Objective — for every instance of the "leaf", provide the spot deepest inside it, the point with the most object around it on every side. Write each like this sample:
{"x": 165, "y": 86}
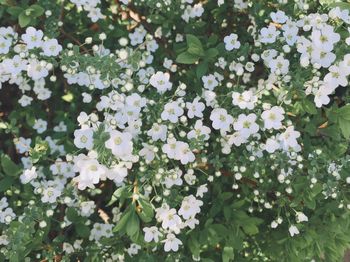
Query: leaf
{"x": 68, "y": 97}
{"x": 250, "y": 229}
{"x": 82, "y": 230}
{"x": 186, "y": 58}
{"x": 341, "y": 5}
{"x": 146, "y": 213}
{"x": 36, "y": 10}
{"x": 194, "y": 45}
{"x": 123, "y": 220}
{"x": 201, "y": 69}
{"x": 6, "y": 183}
{"x": 227, "y": 254}
{"x": 72, "y": 214}
{"x": 15, "y": 10}
{"x": 24, "y": 19}
{"x": 121, "y": 192}
{"x": 211, "y": 53}
{"x": 9, "y": 167}
{"x": 133, "y": 225}
{"x": 309, "y": 107}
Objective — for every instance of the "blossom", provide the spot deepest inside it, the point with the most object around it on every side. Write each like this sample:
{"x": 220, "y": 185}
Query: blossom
{"x": 246, "y": 125}
{"x": 172, "y": 243}
{"x": 301, "y": 217}
{"x": 161, "y": 82}
{"x": 190, "y": 206}
{"x": 279, "y": 17}
{"x": 28, "y": 175}
{"x": 244, "y": 100}
{"x": 293, "y": 230}
{"x": 210, "y": 82}
{"x": 158, "y": 132}
{"x": 151, "y": 233}
{"x": 33, "y": 38}
{"x": 120, "y": 144}
{"x": 51, "y": 47}
{"x": 83, "y": 138}
{"x": 221, "y": 119}
{"x": 172, "y": 111}
{"x": 231, "y": 42}
{"x": 273, "y": 117}
{"x": 195, "y": 108}
{"x": 269, "y": 34}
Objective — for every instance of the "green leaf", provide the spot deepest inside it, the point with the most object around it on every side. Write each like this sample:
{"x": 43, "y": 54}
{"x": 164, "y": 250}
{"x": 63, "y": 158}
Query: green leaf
{"x": 82, "y": 230}
{"x": 15, "y": 10}
{"x": 211, "y": 53}
{"x": 24, "y": 19}
{"x": 309, "y": 107}
{"x": 227, "y": 254}
{"x": 194, "y": 45}
{"x": 6, "y": 183}
{"x": 9, "y": 167}
{"x": 119, "y": 194}
{"x": 186, "y": 58}
{"x": 250, "y": 229}
{"x": 123, "y": 220}
{"x": 146, "y": 214}
{"x": 36, "y": 10}
{"x": 133, "y": 225}
{"x": 73, "y": 215}
{"x": 201, "y": 69}
{"x": 341, "y": 5}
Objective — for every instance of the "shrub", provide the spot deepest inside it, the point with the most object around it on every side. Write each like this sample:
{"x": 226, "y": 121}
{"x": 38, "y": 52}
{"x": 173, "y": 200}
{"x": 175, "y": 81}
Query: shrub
{"x": 174, "y": 130}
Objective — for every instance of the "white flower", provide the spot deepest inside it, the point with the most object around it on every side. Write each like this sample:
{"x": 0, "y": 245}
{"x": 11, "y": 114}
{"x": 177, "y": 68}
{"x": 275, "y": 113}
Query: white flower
{"x": 120, "y": 143}
{"x": 322, "y": 96}
{"x": 273, "y": 117}
{"x": 172, "y": 243}
{"x": 210, "y": 82}
{"x": 271, "y": 145}
{"x": 244, "y": 100}
{"x": 301, "y": 217}
{"x": 172, "y": 111}
{"x": 51, "y": 47}
{"x": 158, "y": 132}
{"x": 231, "y": 42}
{"x": 221, "y": 119}
{"x": 170, "y": 219}
{"x": 288, "y": 139}
{"x": 337, "y": 76}
{"x": 40, "y": 126}
{"x": 246, "y": 125}
{"x": 33, "y": 37}
{"x": 37, "y": 69}
{"x": 190, "y": 206}
{"x": 147, "y": 152}
{"x": 90, "y": 171}
{"x": 83, "y": 138}
{"x": 161, "y": 82}
{"x": 195, "y": 108}
{"x": 117, "y": 173}
{"x": 151, "y": 233}
{"x": 269, "y": 34}
{"x": 279, "y": 66}
{"x": 279, "y": 17}
{"x": 199, "y": 131}
{"x": 293, "y": 230}
{"x": 50, "y": 194}
{"x": 28, "y": 175}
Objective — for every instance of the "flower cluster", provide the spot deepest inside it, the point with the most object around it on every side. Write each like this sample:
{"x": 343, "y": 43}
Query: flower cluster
{"x": 197, "y": 129}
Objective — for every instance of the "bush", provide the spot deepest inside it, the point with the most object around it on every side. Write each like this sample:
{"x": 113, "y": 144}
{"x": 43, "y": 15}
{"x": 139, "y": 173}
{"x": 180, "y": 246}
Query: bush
{"x": 177, "y": 130}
